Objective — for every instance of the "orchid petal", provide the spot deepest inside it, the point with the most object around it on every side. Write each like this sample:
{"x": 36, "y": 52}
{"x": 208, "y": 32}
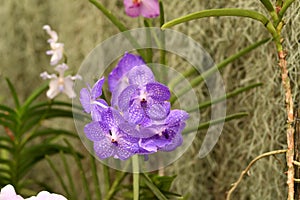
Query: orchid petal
{"x": 158, "y": 91}
{"x": 149, "y": 8}
{"x": 104, "y": 148}
{"x": 96, "y": 131}
{"x": 97, "y": 89}
{"x": 140, "y": 75}
{"x": 125, "y": 98}
{"x": 85, "y": 99}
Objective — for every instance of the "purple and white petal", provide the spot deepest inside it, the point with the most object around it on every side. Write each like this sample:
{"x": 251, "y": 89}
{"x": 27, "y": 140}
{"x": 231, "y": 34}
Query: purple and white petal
{"x": 85, "y": 99}
{"x": 97, "y": 89}
{"x": 140, "y": 75}
{"x": 135, "y": 114}
{"x": 176, "y": 116}
{"x": 175, "y": 142}
{"x": 129, "y": 129}
{"x": 112, "y": 117}
{"x": 126, "y": 97}
{"x": 96, "y": 131}
{"x": 157, "y": 111}
{"x": 127, "y": 62}
{"x": 104, "y": 149}
{"x": 158, "y": 91}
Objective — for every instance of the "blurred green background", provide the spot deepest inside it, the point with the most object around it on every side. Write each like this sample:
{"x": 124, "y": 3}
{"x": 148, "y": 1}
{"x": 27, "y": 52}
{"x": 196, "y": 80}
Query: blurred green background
{"x": 81, "y": 27}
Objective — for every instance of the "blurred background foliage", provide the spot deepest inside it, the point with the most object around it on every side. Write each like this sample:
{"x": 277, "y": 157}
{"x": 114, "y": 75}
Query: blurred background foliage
{"x": 81, "y": 27}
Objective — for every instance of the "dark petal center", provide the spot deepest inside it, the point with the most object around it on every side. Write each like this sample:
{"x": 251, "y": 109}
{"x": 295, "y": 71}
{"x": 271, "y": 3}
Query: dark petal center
{"x": 143, "y": 103}
{"x": 166, "y": 134}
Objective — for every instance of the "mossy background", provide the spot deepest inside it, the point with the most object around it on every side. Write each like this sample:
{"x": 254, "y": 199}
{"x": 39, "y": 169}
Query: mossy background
{"x": 81, "y": 27}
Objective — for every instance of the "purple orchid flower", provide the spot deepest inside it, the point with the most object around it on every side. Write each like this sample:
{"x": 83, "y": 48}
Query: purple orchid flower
{"x": 166, "y": 135}
{"x": 90, "y": 101}
{"x": 146, "y": 8}
{"x": 117, "y": 79}
{"x": 144, "y": 99}
{"x": 110, "y": 139}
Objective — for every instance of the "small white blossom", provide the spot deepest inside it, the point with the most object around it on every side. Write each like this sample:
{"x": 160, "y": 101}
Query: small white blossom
{"x": 8, "y": 192}
{"x": 57, "y": 49}
{"x": 44, "y": 195}
{"x": 60, "y": 84}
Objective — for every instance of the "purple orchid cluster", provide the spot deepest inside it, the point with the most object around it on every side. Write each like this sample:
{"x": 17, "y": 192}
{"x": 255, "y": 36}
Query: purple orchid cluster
{"x": 139, "y": 120}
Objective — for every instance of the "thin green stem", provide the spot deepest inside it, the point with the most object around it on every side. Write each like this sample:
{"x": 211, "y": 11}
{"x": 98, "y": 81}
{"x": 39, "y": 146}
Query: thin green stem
{"x": 285, "y": 6}
{"x": 106, "y": 178}
{"x": 268, "y": 5}
{"x": 118, "y": 24}
{"x": 95, "y": 177}
{"x": 217, "y": 13}
{"x": 69, "y": 176}
{"x": 136, "y": 177}
{"x": 113, "y": 189}
{"x": 214, "y": 122}
{"x": 219, "y": 66}
{"x": 153, "y": 187}
{"x": 206, "y": 104}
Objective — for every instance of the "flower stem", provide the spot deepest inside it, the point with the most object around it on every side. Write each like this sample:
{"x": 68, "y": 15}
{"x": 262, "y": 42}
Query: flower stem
{"x": 136, "y": 177}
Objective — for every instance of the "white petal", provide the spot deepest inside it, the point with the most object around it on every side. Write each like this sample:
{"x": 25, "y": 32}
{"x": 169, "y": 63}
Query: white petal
{"x": 45, "y": 76}
{"x": 68, "y": 87}
{"x": 53, "y": 89}
{"x": 44, "y": 195}
{"x": 9, "y": 193}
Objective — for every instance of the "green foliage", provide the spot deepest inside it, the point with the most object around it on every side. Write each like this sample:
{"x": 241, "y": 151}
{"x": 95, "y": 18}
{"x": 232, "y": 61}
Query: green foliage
{"x": 26, "y": 141}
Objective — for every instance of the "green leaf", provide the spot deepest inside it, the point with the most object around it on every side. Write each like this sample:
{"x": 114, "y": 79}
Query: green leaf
{"x": 58, "y": 176}
{"x": 216, "y": 121}
{"x": 217, "y": 13}
{"x": 33, "y": 154}
{"x": 13, "y": 92}
{"x": 228, "y": 95}
{"x": 50, "y": 132}
{"x": 196, "y": 81}
{"x": 81, "y": 170}
{"x": 162, "y": 182}
{"x": 156, "y": 191}
{"x": 35, "y": 94}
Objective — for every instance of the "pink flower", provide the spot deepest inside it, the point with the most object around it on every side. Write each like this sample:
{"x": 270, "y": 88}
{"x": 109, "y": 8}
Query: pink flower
{"x": 146, "y": 8}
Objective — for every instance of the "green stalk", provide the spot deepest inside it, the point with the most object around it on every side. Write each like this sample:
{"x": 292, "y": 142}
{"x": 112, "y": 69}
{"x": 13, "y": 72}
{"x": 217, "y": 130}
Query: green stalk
{"x": 69, "y": 176}
{"x": 268, "y": 5}
{"x": 95, "y": 177}
{"x": 214, "y": 122}
{"x": 153, "y": 187}
{"x": 114, "y": 187}
{"x": 119, "y": 25}
{"x": 162, "y": 36}
{"x": 106, "y": 179}
{"x": 219, "y": 66}
{"x": 206, "y": 104}
{"x": 217, "y": 13}
{"x": 136, "y": 177}
{"x": 285, "y": 6}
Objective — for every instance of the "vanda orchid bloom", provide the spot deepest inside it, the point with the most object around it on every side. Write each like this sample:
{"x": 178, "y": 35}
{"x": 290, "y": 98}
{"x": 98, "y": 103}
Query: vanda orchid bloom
{"x": 60, "y": 84}
{"x": 9, "y": 193}
{"x": 146, "y": 8}
{"x": 57, "y": 49}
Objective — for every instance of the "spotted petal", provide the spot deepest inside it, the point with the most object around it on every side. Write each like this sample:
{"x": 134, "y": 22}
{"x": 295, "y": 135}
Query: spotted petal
{"x": 125, "y": 98}
{"x": 96, "y": 131}
{"x": 97, "y": 89}
{"x": 127, "y": 62}
{"x": 157, "y": 111}
{"x": 140, "y": 75}
{"x": 104, "y": 148}
{"x": 85, "y": 99}
{"x": 158, "y": 91}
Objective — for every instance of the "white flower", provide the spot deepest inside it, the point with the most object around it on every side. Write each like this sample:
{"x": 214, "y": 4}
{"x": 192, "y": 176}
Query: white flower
{"x": 59, "y": 83}
{"x": 9, "y": 193}
{"x": 44, "y": 195}
{"x": 57, "y": 49}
